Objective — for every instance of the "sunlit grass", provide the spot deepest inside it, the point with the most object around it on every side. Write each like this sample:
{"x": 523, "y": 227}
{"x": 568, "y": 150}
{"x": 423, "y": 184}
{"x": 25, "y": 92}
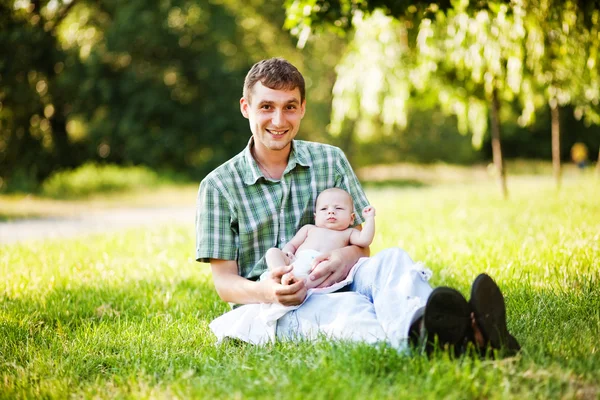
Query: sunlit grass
{"x": 126, "y": 314}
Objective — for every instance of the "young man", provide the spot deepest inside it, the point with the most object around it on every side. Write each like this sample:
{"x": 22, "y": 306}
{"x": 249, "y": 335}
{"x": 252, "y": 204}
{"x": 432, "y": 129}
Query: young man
{"x": 260, "y": 198}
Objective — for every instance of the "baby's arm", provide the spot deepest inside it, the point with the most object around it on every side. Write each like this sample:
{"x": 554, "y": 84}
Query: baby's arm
{"x": 290, "y": 247}
{"x": 365, "y": 237}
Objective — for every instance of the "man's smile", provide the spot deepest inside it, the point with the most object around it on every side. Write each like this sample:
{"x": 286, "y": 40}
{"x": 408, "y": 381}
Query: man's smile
{"x": 277, "y": 132}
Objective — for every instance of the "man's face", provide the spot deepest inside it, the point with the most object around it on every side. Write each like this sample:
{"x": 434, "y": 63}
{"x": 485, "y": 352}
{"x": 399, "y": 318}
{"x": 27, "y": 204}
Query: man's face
{"x": 274, "y": 116}
{"x": 334, "y": 210}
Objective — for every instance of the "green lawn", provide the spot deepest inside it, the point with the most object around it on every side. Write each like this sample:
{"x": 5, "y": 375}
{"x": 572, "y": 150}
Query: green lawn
{"x": 126, "y": 315}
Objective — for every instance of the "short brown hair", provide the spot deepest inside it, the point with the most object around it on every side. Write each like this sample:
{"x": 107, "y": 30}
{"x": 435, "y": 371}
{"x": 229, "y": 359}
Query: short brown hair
{"x": 274, "y": 73}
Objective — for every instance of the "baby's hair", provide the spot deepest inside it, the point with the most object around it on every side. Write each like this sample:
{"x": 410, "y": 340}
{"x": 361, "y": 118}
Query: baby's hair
{"x": 338, "y": 190}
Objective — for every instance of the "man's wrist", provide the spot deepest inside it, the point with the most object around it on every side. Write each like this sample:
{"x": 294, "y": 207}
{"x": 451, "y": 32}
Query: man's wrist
{"x": 264, "y": 293}
{"x": 350, "y": 255}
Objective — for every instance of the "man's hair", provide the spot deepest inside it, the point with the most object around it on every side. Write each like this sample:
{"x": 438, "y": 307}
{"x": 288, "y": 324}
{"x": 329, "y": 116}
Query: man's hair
{"x": 276, "y": 74}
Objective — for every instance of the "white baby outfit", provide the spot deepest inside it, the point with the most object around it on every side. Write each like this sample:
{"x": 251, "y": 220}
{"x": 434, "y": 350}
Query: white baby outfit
{"x": 387, "y": 292}
{"x": 303, "y": 262}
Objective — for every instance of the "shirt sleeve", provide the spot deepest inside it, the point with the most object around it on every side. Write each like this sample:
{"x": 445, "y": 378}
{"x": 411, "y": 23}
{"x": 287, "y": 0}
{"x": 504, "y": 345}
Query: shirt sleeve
{"x": 347, "y": 180}
{"x": 215, "y": 237}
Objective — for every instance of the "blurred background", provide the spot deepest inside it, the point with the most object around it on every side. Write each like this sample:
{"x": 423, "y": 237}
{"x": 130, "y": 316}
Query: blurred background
{"x": 155, "y": 85}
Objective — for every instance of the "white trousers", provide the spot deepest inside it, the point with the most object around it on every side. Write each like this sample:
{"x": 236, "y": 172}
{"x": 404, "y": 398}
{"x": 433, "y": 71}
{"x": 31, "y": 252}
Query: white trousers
{"x": 388, "y": 293}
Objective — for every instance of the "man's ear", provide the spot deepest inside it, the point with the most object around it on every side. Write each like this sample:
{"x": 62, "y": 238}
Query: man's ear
{"x": 244, "y": 104}
{"x": 303, "y": 108}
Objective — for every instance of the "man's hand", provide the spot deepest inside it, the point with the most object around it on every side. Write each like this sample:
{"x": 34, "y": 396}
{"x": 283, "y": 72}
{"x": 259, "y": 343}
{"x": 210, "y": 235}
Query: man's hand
{"x": 281, "y": 287}
{"x": 236, "y": 289}
{"x": 329, "y": 268}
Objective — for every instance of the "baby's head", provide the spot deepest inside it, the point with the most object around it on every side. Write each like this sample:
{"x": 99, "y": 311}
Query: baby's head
{"x": 334, "y": 209}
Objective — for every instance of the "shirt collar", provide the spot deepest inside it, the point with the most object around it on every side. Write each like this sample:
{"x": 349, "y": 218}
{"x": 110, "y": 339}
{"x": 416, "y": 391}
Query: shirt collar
{"x": 252, "y": 172}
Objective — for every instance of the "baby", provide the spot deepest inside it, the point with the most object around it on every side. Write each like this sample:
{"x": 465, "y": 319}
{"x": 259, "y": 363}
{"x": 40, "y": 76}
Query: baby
{"x": 333, "y": 217}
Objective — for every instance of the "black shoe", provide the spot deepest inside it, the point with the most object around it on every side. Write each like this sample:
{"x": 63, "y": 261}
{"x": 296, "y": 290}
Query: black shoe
{"x": 487, "y": 303}
{"x": 447, "y": 318}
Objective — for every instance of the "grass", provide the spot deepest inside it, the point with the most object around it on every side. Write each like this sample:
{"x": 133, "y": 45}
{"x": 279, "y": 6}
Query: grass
{"x": 92, "y": 178}
{"x": 93, "y": 187}
{"x": 126, "y": 315}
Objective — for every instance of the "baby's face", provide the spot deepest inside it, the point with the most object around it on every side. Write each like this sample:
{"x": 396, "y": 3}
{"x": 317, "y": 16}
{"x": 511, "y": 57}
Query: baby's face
{"x": 334, "y": 210}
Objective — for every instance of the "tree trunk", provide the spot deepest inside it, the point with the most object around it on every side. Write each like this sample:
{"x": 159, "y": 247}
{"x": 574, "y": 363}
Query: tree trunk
{"x": 496, "y": 144}
{"x": 555, "y": 142}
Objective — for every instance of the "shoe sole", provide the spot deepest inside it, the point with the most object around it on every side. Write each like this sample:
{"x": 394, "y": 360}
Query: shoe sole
{"x": 447, "y": 317}
{"x": 487, "y": 302}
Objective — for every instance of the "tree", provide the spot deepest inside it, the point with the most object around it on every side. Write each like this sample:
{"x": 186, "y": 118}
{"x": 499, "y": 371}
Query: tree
{"x": 32, "y": 105}
{"x": 482, "y": 52}
{"x": 134, "y": 83}
{"x": 474, "y": 55}
{"x": 562, "y": 56}
{"x": 479, "y": 61}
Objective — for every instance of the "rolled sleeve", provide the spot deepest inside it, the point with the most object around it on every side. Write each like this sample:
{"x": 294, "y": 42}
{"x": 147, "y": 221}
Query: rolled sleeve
{"x": 215, "y": 237}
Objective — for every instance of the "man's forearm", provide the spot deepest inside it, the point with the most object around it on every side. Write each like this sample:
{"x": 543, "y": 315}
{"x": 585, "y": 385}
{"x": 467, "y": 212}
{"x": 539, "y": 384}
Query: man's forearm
{"x": 241, "y": 291}
{"x": 236, "y": 289}
{"x": 351, "y": 254}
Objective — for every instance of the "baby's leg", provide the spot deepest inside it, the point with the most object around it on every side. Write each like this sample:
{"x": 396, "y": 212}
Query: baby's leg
{"x": 276, "y": 258}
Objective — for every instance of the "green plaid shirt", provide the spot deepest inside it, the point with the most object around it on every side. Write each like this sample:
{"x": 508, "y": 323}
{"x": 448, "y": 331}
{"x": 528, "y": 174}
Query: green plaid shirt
{"x": 240, "y": 213}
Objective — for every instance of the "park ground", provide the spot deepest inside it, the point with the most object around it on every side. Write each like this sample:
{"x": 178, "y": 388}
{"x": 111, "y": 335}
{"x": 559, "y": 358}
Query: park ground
{"x": 125, "y": 313}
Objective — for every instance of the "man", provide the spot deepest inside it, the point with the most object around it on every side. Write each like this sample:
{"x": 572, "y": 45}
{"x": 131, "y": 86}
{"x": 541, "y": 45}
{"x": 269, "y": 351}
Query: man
{"x": 260, "y": 198}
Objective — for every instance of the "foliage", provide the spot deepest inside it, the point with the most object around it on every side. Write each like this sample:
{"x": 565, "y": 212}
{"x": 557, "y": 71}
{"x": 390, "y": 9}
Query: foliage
{"x": 126, "y": 314}
{"x": 305, "y": 17}
{"x": 139, "y": 82}
{"x": 93, "y": 178}
{"x": 158, "y": 83}
{"x": 371, "y": 88}
{"x": 160, "y": 88}
{"x": 459, "y": 52}
{"x": 473, "y": 56}
{"x": 33, "y": 136}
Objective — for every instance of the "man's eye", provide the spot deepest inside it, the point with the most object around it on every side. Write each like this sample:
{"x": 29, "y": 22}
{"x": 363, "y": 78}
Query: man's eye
{"x": 265, "y": 107}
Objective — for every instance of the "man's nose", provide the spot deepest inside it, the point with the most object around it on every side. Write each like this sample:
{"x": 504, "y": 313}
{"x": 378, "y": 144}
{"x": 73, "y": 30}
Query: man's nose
{"x": 277, "y": 117}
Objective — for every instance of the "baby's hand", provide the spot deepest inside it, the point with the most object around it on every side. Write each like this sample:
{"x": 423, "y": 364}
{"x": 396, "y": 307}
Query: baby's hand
{"x": 368, "y": 212}
{"x": 291, "y": 257}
